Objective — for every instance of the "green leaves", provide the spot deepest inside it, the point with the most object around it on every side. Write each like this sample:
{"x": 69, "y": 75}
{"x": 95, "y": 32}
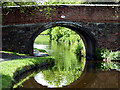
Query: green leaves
{"x": 110, "y": 65}
{"x": 104, "y": 54}
{"x": 67, "y": 36}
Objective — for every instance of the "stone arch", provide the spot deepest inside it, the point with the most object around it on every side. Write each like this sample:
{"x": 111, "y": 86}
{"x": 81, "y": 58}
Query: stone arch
{"x": 85, "y": 34}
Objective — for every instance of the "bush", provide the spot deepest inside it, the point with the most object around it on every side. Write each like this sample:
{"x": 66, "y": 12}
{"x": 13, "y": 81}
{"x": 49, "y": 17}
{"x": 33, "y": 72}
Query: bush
{"x": 104, "y": 54}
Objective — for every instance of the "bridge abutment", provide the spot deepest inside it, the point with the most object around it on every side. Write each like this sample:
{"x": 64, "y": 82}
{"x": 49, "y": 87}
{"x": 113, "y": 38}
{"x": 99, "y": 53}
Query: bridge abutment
{"x": 20, "y": 38}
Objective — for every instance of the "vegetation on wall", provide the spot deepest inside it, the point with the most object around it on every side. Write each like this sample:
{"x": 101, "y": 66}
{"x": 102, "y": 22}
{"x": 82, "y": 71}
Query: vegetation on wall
{"x": 55, "y": 2}
{"x": 46, "y": 2}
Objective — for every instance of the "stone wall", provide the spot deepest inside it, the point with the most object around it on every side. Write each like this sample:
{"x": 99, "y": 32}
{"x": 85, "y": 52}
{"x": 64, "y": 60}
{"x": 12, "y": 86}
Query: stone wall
{"x": 19, "y": 29}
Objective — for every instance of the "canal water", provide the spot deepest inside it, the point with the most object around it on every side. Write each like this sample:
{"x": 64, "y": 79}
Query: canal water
{"x": 70, "y": 71}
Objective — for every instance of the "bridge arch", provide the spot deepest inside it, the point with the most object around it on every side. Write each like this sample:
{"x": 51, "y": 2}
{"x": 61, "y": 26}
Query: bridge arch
{"x": 85, "y": 34}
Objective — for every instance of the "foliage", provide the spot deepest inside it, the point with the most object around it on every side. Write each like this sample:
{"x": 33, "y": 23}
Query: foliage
{"x": 17, "y": 3}
{"x": 67, "y": 67}
{"x": 8, "y": 68}
{"x": 56, "y": 34}
{"x": 48, "y": 9}
{"x": 104, "y": 54}
{"x": 77, "y": 47}
{"x": 64, "y": 72}
{"x": 109, "y": 65}
{"x": 99, "y": 53}
{"x": 67, "y": 36}
{"x": 111, "y": 55}
{"x": 63, "y": 34}
{"x": 55, "y": 2}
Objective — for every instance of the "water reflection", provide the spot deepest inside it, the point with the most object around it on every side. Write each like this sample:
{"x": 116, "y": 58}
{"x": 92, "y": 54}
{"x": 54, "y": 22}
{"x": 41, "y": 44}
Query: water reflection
{"x": 91, "y": 77}
{"x": 66, "y": 70}
{"x": 58, "y": 77}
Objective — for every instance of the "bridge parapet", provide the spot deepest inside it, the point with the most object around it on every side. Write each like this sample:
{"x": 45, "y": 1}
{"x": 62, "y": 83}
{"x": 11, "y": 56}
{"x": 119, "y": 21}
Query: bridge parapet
{"x": 77, "y": 13}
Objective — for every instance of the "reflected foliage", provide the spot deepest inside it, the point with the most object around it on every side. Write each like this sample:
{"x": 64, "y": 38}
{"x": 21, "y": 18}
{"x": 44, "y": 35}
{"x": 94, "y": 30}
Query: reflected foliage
{"x": 105, "y": 66}
{"x": 67, "y": 67}
{"x": 67, "y": 47}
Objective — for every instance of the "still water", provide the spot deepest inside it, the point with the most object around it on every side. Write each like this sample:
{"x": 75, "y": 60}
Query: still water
{"x": 70, "y": 71}
{"x": 66, "y": 70}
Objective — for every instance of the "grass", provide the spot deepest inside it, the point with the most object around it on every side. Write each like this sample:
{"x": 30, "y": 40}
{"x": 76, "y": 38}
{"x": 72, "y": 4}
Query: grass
{"x": 8, "y": 68}
{"x": 42, "y": 39}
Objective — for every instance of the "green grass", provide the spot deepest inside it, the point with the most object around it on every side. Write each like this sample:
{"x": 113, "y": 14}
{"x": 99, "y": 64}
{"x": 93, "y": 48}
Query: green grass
{"x": 42, "y": 39}
{"x": 8, "y": 68}
{"x": 45, "y": 32}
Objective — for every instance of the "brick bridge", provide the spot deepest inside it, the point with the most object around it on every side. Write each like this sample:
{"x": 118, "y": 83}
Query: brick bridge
{"x": 98, "y": 25}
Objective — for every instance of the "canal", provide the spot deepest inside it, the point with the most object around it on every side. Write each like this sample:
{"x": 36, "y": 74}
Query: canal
{"x": 69, "y": 70}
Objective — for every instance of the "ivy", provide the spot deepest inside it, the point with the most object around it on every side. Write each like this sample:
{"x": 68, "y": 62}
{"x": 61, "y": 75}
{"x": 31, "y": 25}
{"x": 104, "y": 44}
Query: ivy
{"x": 48, "y": 10}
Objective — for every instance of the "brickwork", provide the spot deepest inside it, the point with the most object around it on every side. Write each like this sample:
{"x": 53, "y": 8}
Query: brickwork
{"x": 98, "y": 26}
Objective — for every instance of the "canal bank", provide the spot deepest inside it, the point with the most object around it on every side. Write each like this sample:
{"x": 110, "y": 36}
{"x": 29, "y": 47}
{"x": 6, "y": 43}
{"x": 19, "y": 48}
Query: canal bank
{"x": 14, "y": 68}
